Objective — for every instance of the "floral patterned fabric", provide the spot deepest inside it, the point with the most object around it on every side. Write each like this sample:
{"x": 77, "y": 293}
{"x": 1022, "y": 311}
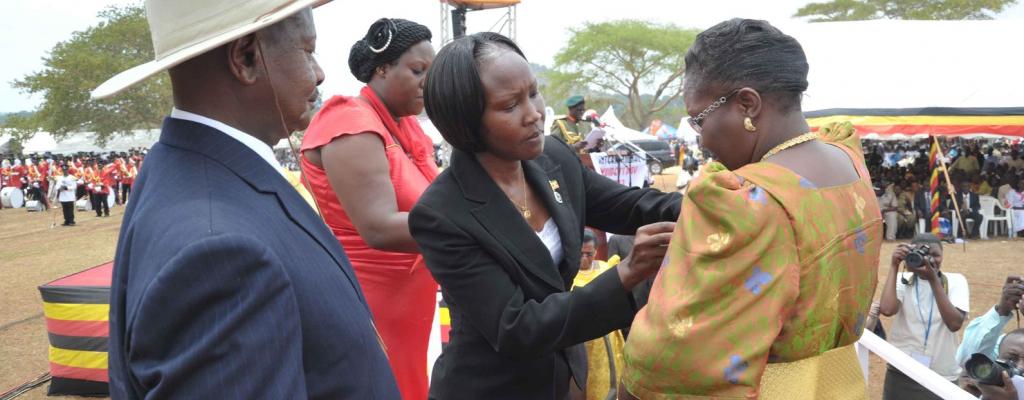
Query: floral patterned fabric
{"x": 763, "y": 267}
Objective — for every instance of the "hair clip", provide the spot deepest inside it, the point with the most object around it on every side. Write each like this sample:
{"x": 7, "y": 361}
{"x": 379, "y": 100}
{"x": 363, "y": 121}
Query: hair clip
{"x": 390, "y": 29}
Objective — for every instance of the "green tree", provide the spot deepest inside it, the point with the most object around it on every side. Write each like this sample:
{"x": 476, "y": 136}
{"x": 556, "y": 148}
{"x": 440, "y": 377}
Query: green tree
{"x": 856, "y": 10}
{"x": 76, "y": 66}
{"x": 639, "y": 62}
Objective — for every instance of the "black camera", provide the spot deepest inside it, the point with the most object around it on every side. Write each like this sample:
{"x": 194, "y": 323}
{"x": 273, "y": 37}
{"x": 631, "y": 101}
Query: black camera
{"x": 987, "y": 372}
{"x": 918, "y": 254}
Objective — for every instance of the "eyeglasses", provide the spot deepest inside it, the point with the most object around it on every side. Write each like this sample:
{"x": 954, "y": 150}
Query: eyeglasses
{"x": 698, "y": 121}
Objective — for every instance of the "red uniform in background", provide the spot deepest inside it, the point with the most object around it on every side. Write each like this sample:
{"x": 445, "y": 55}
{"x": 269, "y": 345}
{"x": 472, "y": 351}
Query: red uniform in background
{"x": 100, "y": 190}
{"x": 18, "y": 173}
{"x": 110, "y": 176}
{"x": 5, "y": 177}
{"x": 127, "y": 179}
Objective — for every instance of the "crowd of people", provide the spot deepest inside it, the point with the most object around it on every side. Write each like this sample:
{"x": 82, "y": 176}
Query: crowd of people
{"x": 754, "y": 283}
{"x": 50, "y": 180}
{"x": 901, "y": 175}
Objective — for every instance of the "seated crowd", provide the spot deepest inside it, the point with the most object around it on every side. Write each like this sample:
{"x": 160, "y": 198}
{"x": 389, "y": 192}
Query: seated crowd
{"x": 902, "y": 178}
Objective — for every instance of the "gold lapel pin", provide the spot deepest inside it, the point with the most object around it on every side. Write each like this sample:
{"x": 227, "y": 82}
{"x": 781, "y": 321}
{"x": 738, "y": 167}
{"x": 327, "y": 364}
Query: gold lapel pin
{"x": 554, "y": 189}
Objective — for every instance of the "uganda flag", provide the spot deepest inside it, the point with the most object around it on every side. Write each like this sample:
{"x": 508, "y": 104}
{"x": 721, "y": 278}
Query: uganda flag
{"x": 933, "y": 187}
{"x": 76, "y": 308}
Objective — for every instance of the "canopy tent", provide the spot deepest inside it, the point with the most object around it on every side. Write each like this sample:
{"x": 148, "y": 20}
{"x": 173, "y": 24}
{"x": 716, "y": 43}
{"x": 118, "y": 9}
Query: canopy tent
{"x": 617, "y": 130}
{"x": 915, "y": 78}
{"x": 43, "y": 142}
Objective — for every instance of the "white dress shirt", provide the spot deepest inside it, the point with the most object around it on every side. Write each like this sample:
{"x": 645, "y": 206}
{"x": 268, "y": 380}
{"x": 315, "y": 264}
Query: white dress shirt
{"x": 919, "y": 314}
{"x": 261, "y": 149}
{"x": 68, "y": 193}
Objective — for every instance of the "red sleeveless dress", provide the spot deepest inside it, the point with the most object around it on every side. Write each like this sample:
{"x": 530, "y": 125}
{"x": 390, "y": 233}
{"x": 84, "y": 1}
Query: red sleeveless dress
{"x": 399, "y": 289}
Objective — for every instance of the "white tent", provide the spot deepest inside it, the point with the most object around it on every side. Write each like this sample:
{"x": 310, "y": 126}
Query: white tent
{"x": 617, "y": 130}
{"x": 43, "y": 142}
{"x": 915, "y": 77}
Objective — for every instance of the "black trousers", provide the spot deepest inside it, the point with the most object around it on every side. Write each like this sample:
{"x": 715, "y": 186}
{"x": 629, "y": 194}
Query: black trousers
{"x": 34, "y": 193}
{"x": 978, "y": 218}
{"x": 126, "y": 188}
{"x": 69, "y": 212}
{"x": 99, "y": 203}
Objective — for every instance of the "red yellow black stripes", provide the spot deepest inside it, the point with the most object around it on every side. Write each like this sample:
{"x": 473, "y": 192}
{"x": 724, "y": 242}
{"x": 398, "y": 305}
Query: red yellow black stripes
{"x": 1005, "y": 121}
{"x": 77, "y": 310}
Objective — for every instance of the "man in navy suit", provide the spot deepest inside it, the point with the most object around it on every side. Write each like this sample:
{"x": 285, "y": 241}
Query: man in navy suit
{"x": 227, "y": 285}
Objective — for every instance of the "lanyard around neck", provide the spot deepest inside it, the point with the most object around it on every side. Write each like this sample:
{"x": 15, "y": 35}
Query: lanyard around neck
{"x": 931, "y": 310}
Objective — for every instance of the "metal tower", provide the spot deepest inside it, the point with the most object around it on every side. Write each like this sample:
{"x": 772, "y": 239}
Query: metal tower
{"x": 453, "y": 17}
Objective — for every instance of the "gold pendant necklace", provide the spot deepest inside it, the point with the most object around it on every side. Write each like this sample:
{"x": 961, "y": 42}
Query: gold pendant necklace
{"x": 809, "y": 136}
{"x": 525, "y": 207}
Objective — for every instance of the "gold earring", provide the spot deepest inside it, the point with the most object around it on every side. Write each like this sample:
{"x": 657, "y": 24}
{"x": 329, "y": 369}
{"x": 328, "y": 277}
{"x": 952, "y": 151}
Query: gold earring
{"x": 749, "y": 125}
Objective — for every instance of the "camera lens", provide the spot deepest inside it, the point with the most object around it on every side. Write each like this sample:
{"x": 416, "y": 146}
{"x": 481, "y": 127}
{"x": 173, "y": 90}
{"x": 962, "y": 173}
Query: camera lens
{"x": 981, "y": 369}
{"x": 984, "y": 370}
{"x": 914, "y": 259}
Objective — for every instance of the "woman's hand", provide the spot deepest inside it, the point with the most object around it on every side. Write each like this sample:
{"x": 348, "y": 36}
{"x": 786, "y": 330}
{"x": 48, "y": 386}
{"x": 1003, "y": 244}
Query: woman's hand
{"x": 648, "y": 253}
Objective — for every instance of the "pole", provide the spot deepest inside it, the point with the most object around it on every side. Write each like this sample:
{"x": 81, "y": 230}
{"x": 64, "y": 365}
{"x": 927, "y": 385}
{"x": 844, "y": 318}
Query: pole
{"x": 949, "y": 187}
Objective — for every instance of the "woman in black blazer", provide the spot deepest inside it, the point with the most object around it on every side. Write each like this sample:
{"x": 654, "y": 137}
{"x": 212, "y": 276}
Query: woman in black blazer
{"x": 517, "y": 330}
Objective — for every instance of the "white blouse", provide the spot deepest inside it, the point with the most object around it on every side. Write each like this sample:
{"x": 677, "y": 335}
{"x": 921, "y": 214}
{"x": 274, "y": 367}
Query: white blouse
{"x": 549, "y": 235}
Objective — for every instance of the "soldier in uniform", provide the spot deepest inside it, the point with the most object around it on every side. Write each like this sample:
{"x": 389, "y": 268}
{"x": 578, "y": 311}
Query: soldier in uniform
{"x": 36, "y": 184}
{"x": 572, "y": 129}
{"x": 18, "y": 175}
{"x": 5, "y": 173}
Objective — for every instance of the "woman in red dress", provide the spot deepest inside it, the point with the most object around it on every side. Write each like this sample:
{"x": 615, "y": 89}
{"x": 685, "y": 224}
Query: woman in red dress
{"x": 368, "y": 161}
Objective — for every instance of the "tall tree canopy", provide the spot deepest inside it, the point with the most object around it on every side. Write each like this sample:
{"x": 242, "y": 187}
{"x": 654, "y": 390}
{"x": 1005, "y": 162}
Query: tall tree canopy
{"x": 856, "y": 10}
{"x": 75, "y": 66}
{"x": 638, "y": 61}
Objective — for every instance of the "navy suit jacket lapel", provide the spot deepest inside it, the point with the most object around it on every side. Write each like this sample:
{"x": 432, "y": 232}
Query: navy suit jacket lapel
{"x": 502, "y": 220}
{"x": 249, "y": 166}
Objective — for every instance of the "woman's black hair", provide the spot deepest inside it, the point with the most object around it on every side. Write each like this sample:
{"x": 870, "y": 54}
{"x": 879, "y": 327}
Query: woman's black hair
{"x": 453, "y": 93}
{"x": 749, "y": 53}
{"x": 385, "y": 41}
{"x": 926, "y": 238}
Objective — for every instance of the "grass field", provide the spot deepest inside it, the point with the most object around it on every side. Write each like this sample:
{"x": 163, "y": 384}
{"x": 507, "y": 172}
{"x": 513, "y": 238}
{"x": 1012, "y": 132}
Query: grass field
{"x": 32, "y": 253}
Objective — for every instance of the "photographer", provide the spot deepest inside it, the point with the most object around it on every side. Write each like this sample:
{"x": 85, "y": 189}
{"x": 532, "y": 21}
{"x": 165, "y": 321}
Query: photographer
{"x": 1011, "y": 351}
{"x": 928, "y": 308}
{"x": 984, "y": 333}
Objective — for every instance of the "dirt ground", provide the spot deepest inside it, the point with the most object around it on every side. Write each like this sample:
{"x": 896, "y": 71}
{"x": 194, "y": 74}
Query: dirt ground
{"x": 33, "y": 253}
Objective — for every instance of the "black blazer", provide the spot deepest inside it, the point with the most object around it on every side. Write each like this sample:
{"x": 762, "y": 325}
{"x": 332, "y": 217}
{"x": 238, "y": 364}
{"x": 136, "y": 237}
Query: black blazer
{"x": 974, "y": 205}
{"x": 922, "y": 204}
{"x": 516, "y": 328}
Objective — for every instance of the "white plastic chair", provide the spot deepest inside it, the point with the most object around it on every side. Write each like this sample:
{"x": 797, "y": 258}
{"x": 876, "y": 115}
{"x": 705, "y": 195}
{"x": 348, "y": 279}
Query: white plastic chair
{"x": 956, "y": 226}
{"x": 989, "y": 208}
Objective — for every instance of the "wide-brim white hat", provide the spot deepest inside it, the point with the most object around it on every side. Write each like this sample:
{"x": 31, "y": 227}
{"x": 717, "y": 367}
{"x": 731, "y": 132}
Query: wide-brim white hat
{"x": 183, "y": 29}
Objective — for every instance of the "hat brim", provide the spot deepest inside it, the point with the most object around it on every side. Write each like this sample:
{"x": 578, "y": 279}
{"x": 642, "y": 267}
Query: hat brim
{"x": 138, "y": 73}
